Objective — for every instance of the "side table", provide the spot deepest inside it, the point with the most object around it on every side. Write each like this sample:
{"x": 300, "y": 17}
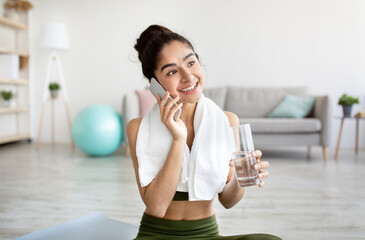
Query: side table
{"x": 340, "y": 134}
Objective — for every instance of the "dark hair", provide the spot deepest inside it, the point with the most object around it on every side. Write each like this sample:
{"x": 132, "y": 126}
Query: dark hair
{"x": 150, "y": 43}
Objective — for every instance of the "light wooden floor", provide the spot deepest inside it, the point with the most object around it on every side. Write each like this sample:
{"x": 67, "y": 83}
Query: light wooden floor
{"x": 302, "y": 199}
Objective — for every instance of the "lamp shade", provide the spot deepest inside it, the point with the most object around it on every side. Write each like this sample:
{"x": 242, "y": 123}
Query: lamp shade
{"x": 55, "y": 36}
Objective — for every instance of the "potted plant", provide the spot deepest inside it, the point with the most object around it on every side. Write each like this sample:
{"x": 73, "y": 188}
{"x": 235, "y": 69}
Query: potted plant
{"x": 54, "y": 87}
{"x": 347, "y": 102}
{"x": 7, "y": 95}
{"x": 14, "y": 7}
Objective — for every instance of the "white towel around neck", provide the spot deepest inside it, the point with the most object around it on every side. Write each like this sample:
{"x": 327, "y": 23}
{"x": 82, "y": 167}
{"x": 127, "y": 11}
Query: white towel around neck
{"x": 204, "y": 169}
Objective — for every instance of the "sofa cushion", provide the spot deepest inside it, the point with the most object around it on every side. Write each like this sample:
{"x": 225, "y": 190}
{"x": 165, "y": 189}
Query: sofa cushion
{"x": 146, "y": 101}
{"x": 218, "y": 95}
{"x": 259, "y": 101}
{"x": 283, "y": 125}
{"x": 293, "y": 107}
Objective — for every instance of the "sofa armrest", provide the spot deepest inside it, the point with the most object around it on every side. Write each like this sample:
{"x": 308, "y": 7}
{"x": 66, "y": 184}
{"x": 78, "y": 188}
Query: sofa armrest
{"x": 322, "y": 112}
{"x": 130, "y": 110}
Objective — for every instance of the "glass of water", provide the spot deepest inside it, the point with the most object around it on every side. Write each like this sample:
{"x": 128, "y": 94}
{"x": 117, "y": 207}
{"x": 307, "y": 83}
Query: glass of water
{"x": 242, "y": 156}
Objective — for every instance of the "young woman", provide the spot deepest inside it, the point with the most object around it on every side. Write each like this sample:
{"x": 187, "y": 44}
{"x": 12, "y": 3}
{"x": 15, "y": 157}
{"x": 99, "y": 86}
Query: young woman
{"x": 181, "y": 165}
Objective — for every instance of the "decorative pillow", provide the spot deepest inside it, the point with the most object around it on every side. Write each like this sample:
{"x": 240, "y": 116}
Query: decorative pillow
{"x": 293, "y": 107}
{"x": 146, "y": 101}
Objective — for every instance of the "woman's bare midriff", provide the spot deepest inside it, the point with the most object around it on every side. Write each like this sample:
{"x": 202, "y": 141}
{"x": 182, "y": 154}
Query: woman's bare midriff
{"x": 189, "y": 210}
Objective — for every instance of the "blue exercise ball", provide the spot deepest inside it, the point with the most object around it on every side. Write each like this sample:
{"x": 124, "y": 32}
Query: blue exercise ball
{"x": 97, "y": 130}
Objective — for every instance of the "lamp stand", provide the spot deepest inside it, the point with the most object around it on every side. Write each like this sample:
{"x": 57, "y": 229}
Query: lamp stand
{"x": 54, "y": 59}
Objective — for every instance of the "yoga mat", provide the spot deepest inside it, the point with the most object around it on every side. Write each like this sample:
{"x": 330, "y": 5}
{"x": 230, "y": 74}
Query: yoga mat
{"x": 94, "y": 226}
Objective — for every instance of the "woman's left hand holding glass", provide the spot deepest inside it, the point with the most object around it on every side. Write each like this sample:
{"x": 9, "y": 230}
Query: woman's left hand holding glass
{"x": 260, "y": 165}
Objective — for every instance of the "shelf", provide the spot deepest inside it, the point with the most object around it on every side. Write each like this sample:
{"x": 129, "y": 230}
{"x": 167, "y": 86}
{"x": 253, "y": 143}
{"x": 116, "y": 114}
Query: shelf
{"x": 15, "y": 137}
{"x": 13, "y": 110}
{"x": 13, "y": 24}
{"x": 8, "y": 51}
{"x": 14, "y": 81}
{"x": 17, "y": 116}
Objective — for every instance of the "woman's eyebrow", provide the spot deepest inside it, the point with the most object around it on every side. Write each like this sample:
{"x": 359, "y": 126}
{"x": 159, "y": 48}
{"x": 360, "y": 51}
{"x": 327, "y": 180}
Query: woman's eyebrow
{"x": 167, "y": 65}
{"x": 189, "y": 55}
{"x": 174, "y": 64}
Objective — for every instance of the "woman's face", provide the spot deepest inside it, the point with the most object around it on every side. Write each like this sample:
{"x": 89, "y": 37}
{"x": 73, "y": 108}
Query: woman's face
{"x": 179, "y": 72}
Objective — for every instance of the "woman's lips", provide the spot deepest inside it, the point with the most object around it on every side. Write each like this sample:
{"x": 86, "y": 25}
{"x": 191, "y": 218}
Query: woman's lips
{"x": 193, "y": 90}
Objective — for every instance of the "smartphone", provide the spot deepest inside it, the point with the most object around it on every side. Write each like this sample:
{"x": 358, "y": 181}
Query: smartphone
{"x": 156, "y": 88}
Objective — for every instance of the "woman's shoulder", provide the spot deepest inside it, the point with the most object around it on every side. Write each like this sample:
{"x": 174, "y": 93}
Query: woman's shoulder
{"x": 232, "y": 118}
{"x": 133, "y": 126}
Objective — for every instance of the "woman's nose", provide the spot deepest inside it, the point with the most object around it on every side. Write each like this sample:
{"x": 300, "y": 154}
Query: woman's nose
{"x": 187, "y": 76}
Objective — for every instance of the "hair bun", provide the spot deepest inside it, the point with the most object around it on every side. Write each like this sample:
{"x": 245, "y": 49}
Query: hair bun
{"x": 151, "y": 33}
{"x": 151, "y": 42}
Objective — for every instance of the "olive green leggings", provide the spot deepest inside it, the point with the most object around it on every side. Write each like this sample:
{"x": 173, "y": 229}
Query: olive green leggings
{"x": 152, "y": 228}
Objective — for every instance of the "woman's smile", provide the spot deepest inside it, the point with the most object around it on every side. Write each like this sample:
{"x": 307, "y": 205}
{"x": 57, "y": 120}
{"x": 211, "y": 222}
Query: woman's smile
{"x": 191, "y": 89}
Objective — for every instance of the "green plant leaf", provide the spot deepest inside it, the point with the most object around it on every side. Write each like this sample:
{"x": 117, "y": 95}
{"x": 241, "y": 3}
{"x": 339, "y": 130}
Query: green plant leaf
{"x": 7, "y": 95}
{"x": 347, "y": 100}
{"x": 54, "y": 86}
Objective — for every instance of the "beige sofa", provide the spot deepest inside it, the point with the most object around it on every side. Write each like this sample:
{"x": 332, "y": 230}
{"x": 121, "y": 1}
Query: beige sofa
{"x": 253, "y": 105}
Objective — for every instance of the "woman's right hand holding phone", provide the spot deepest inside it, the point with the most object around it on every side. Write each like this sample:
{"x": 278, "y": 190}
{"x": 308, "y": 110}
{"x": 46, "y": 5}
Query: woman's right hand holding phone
{"x": 177, "y": 128}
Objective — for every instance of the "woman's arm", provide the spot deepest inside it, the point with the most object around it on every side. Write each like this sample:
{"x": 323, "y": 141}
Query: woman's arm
{"x": 232, "y": 193}
{"x": 158, "y": 195}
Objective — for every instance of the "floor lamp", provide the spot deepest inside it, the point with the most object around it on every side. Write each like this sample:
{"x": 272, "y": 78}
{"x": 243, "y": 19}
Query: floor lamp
{"x": 54, "y": 37}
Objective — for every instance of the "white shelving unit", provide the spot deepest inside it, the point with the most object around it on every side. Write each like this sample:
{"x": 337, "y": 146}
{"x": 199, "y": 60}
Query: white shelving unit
{"x": 15, "y": 120}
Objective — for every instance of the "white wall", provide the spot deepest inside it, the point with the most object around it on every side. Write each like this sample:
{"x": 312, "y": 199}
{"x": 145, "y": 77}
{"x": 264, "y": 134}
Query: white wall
{"x": 316, "y": 43}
